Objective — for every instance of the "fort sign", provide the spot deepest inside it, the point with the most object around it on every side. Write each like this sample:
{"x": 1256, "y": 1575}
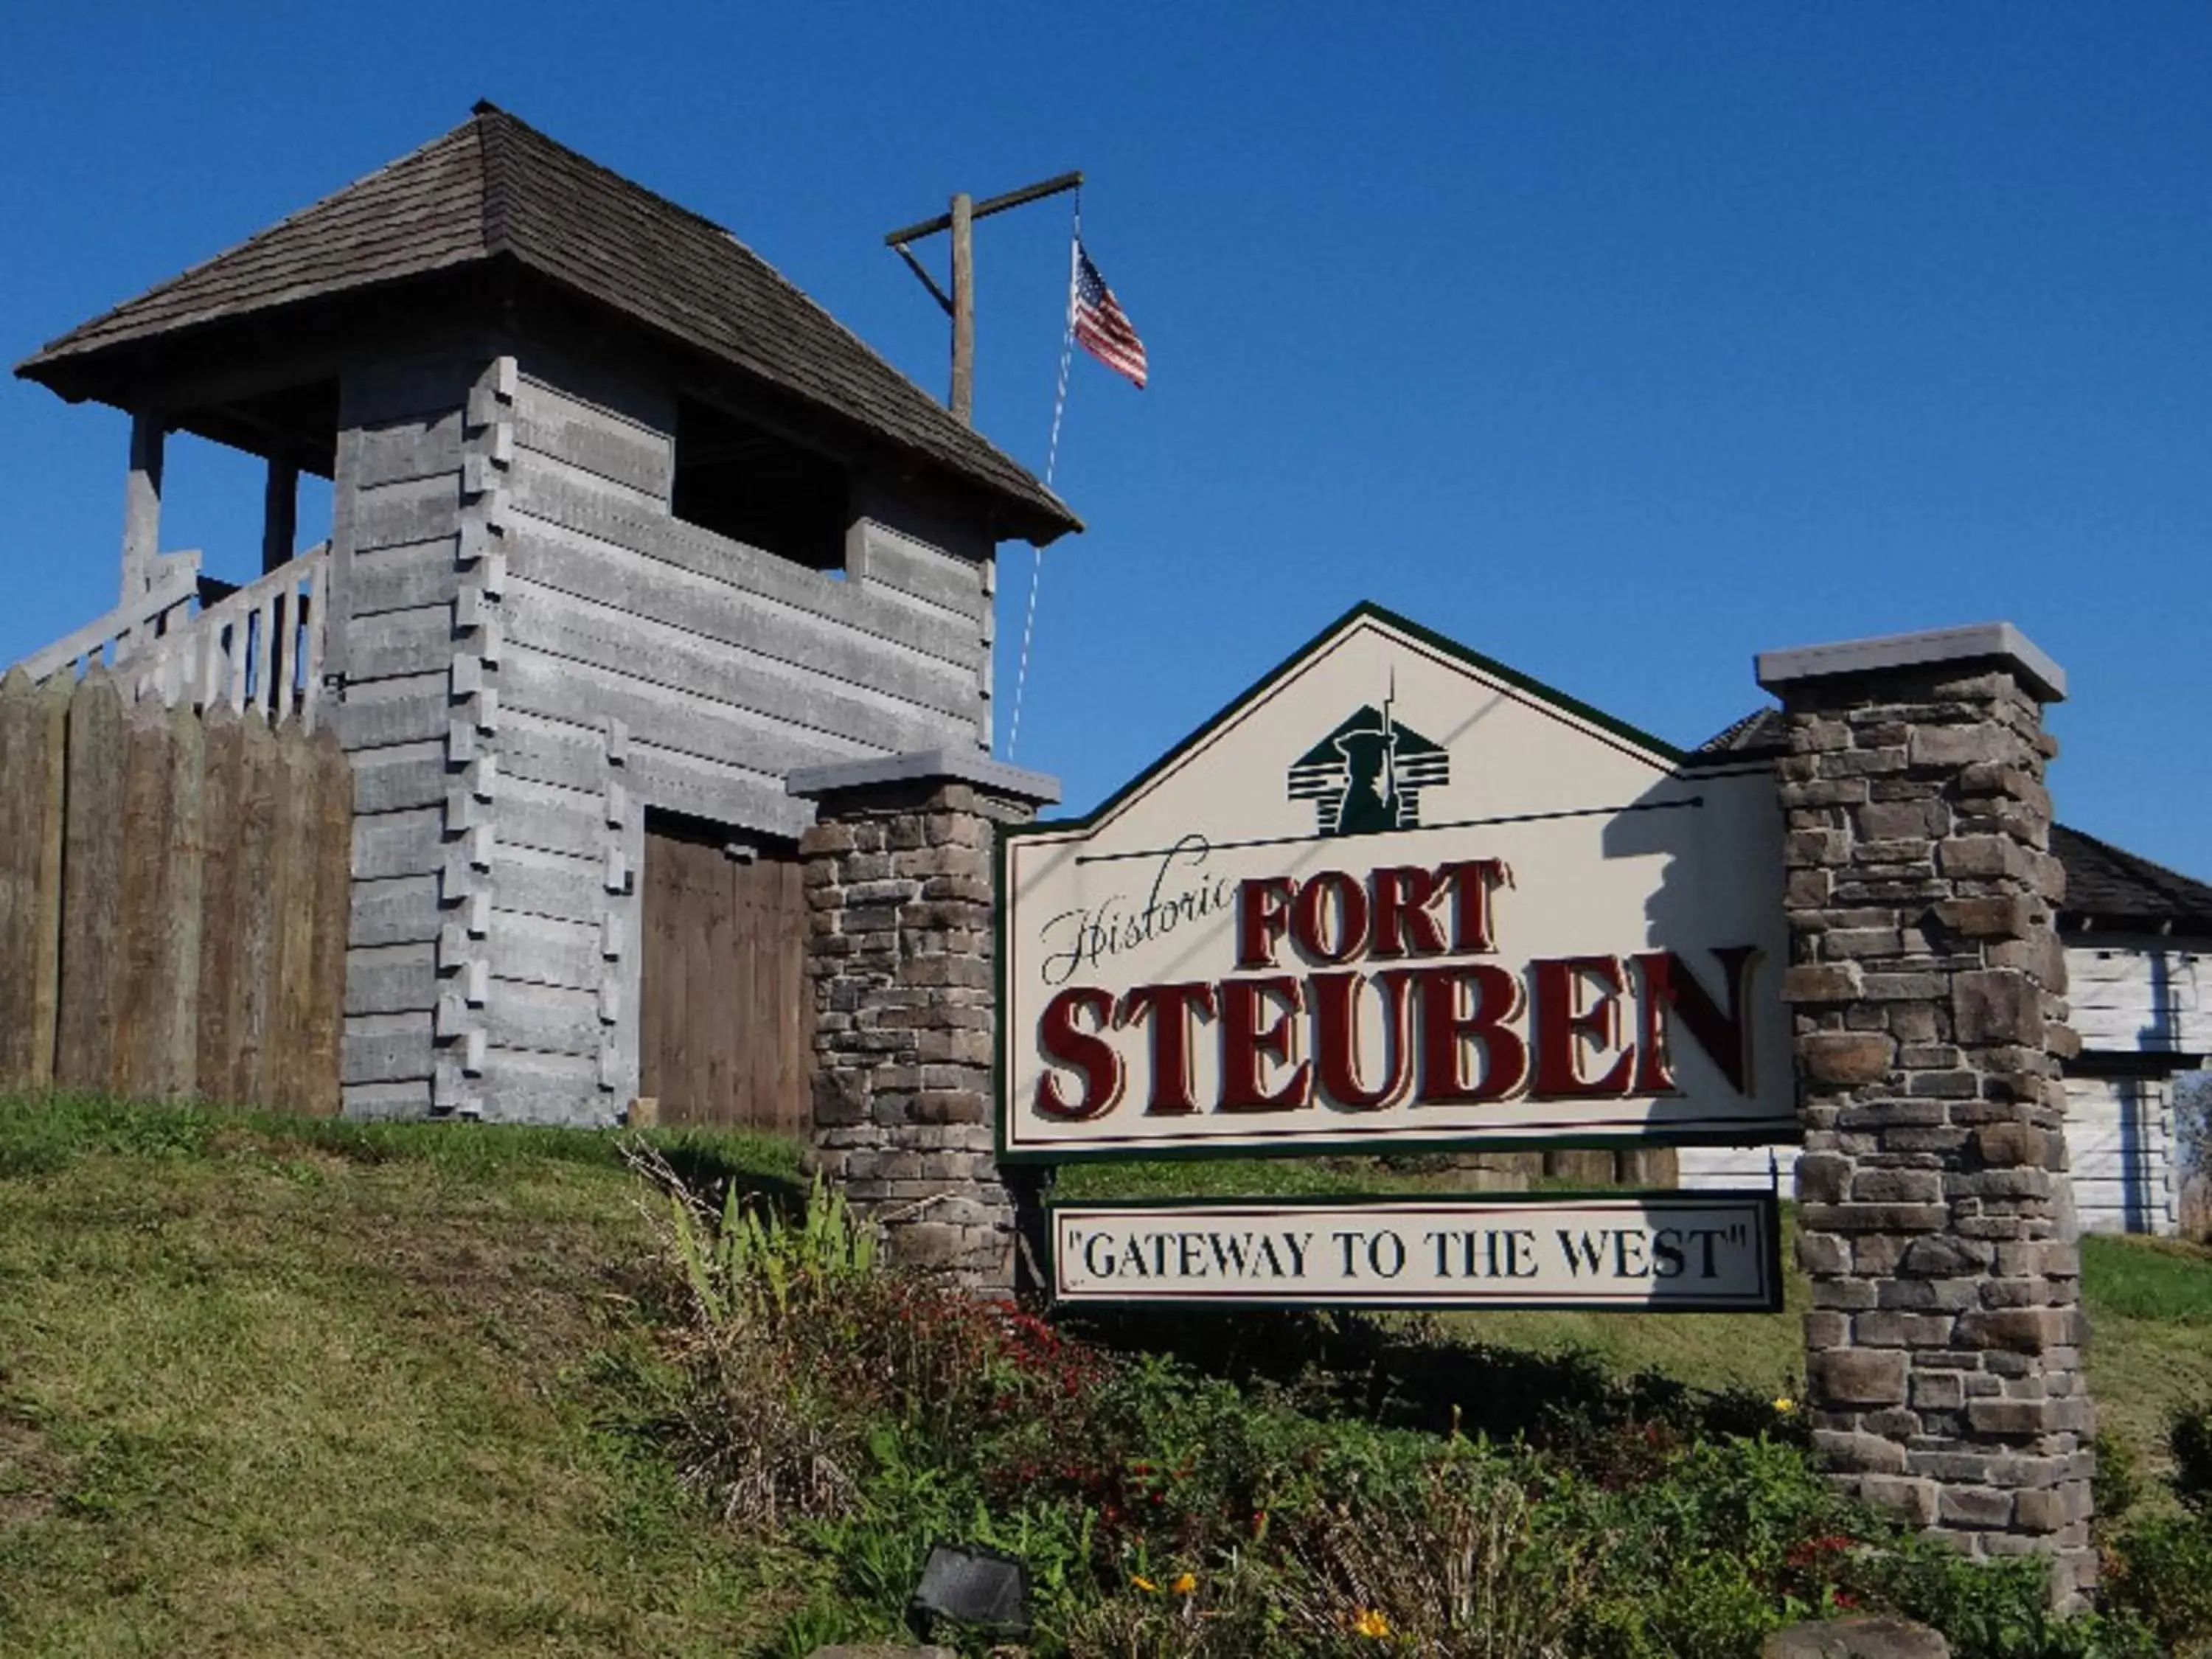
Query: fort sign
{"x": 1398, "y": 894}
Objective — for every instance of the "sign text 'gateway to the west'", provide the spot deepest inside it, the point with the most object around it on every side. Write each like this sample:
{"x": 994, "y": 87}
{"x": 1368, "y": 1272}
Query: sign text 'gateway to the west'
{"x": 1398, "y": 894}
{"x": 1660, "y": 1252}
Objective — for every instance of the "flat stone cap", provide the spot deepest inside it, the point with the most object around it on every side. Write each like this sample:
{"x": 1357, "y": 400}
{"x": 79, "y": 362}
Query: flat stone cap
{"x": 1998, "y": 642}
{"x": 1856, "y": 1638}
{"x": 947, "y": 765}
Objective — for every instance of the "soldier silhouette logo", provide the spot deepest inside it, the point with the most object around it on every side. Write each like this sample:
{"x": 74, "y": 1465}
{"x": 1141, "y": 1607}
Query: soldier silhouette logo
{"x": 1367, "y": 775}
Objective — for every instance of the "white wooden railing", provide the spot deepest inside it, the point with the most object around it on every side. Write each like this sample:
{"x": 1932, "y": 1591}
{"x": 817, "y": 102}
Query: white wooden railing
{"x": 128, "y": 628}
{"x": 258, "y": 647}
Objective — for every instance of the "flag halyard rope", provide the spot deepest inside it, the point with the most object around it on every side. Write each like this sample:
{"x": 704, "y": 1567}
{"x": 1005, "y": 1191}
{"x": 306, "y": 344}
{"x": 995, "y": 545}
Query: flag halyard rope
{"x": 1051, "y": 462}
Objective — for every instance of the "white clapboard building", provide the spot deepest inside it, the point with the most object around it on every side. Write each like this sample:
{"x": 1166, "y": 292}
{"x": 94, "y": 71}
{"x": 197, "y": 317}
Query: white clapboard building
{"x": 2138, "y": 939}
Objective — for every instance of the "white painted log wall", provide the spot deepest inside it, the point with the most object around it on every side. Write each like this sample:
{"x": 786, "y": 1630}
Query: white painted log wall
{"x": 1708, "y": 1168}
{"x": 534, "y": 861}
{"x": 2119, "y": 1137}
{"x": 644, "y": 662}
{"x": 2129, "y": 993}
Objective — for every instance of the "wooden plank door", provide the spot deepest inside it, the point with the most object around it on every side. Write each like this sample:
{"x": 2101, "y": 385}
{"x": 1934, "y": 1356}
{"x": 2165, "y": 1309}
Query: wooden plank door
{"x": 727, "y": 1018}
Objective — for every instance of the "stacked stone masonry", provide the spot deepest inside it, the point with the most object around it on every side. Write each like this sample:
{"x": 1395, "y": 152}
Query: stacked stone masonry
{"x": 899, "y": 891}
{"x": 1926, "y": 980}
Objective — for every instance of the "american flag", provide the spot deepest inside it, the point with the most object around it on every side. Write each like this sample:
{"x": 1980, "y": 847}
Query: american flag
{"x": 1102, "y": 326}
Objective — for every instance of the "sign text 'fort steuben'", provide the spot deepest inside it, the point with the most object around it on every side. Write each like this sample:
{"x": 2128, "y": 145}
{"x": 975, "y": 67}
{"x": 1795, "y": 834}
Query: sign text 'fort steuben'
{"x": 1663, "y": 1252}
{"x": 1398, "y": 894}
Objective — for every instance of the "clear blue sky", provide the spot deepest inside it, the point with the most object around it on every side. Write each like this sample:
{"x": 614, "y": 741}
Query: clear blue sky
{"x": 1617, "y": 341}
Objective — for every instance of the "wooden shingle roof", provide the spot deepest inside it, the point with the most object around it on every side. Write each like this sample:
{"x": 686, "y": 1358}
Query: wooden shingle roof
{"x": 1756, "y": 735}
{"x": 2111, "y": 886}
{"x": 495, "y": 189}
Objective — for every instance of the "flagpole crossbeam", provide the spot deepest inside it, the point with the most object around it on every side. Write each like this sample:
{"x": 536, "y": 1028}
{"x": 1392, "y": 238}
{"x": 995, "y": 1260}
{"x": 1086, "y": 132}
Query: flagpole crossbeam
{"x": 990, "y": 205}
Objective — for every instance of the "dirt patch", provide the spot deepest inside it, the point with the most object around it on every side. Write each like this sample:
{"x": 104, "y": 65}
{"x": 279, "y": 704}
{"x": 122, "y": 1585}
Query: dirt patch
{"x": 30, "y": 1475}
{"x": 2197, "y": 1209}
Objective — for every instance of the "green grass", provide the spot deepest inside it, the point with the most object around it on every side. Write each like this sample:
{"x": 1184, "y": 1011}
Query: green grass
{"x": 2150, "y": 1337}
{"x": 1236, "y": 1177}
{"x": 270, "y": 1387}
{"x": 2162, "y": 1280}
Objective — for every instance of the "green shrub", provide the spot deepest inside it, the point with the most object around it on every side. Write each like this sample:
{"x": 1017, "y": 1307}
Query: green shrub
{"x": 1462, "y": 1558}
{"x": 2160, "y": 1572}
{"x": 2119, "y": 1481}
{"x": 1997, "y": 1609}
{"x": 2189, "y": 1437}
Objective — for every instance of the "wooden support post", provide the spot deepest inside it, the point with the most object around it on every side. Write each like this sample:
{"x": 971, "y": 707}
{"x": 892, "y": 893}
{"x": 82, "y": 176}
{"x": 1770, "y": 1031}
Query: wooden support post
{"x": 280, "y": 515}
{"x": 256, "y": 837}
{"x": 141, "y": 505}
{"x": 291, "y": 895}
{"x": 963, "y": 309}
{"x": 137, "y": 1019}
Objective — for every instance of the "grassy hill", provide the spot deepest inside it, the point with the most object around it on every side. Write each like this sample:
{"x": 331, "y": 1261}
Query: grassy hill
{"x": 271, "y": 1388}
{"x": 274, "y": 1387}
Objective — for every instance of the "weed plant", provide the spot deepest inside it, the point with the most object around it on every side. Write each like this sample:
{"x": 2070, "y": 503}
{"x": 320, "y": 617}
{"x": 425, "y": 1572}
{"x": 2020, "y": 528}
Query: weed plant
{"x": 2160, "y": 1567}
{"x": 1307, "y": 1503}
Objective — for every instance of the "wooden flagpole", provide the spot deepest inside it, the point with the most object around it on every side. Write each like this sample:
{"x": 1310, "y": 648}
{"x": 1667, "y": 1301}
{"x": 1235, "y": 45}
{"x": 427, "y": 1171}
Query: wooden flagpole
{"x": 960, "y": 304}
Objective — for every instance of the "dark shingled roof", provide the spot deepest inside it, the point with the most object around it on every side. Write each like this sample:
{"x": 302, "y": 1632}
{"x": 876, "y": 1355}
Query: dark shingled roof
{"x": 2102, "y": 881}
{"x": 495, "y": 189}
{"x": 2112, "y": 884}
{"x": 1757, "y": 733}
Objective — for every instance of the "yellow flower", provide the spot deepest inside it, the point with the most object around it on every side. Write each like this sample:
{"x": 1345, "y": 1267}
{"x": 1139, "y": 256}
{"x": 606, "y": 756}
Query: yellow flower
{"x": 1371, "y": 1622}
{"x": 1186, "y": 1585}
{"x": 1144, "y": 1583}
{"x": 1785, "y": 1403}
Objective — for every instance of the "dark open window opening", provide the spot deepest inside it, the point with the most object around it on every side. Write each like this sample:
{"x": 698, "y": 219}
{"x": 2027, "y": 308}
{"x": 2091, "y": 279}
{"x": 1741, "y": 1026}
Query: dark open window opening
{"x": 736, "y": 479}
{"x": 247, "y": 482}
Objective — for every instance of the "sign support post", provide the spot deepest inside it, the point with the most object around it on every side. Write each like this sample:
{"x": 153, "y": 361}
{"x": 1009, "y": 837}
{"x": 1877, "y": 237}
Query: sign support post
{"x": 1943, "y": 1352}
{"x": 899, "y": 952}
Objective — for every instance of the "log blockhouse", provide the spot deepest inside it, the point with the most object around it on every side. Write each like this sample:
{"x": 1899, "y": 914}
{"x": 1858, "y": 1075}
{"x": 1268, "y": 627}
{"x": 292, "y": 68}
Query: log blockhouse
{"x": 625, "y": 529}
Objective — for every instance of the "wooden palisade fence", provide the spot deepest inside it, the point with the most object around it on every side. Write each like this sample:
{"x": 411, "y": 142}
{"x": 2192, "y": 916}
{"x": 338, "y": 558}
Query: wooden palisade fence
{"x": 174, "y": 898}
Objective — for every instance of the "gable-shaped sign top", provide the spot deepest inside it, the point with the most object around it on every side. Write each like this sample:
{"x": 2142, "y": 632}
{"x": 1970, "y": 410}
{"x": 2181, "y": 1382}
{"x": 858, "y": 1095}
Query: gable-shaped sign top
{"x": 1398, "y": 895}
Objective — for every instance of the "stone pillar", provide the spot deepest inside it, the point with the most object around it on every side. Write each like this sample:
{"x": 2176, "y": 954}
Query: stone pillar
{"x": 899, "y": 886}
{"x": 1943, "y": 1354}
